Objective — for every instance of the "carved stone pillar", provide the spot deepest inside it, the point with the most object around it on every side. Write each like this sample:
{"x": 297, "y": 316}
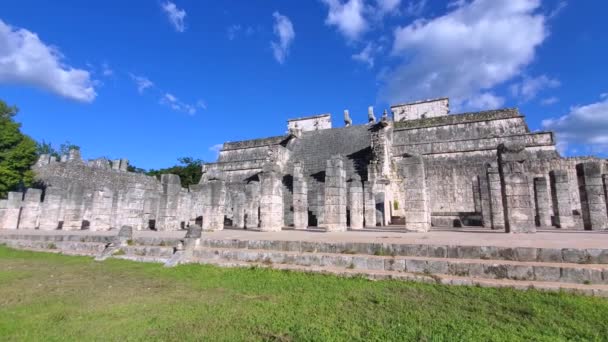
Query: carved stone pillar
{"x": 252, "y": 193}
{"x": 355, "y": 202}
{"x": 30, "y": 209}
{"x": 415, "y": 205}
{"x": 335, "y": 195}
{"x": 517, "y": 200}
{"x": 593, "y": 200}
{"x": 369, "y": 203}
{"x": 300, "y": 198}
{"x": 50, "y": 212}
{"x": 214, "y": 199}
{"x": 271, "y": 201}
{"x": 541, "y": 199}
{"x": 496, "y": 205}
{"x": 560, "y": 196}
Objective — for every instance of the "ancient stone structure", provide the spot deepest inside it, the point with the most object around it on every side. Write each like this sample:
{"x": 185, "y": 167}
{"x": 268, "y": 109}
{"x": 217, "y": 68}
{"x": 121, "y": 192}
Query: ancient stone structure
{"x": 420, "y": 168}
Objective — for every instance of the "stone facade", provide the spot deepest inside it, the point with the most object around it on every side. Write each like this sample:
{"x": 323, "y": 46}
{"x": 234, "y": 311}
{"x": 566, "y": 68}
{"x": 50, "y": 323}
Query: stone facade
{"x": 423, "y": 167}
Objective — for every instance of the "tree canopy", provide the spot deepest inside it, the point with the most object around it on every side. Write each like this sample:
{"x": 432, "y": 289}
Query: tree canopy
{"x": 17, "y": 152}
{"x": 189, "y": 170}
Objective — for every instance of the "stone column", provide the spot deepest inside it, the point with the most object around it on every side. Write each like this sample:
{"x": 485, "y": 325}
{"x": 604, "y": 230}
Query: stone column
{"x": 605, "y": 178}
{"x": 11, "y": 211}
{"x": 486, "y": 208}
{"x": 271, "y": 201}
{"x": 560, "y": 197}
{"x": 74, "y": 207}
{"x": 355, "y": 202}
{"x": 496, "y": 206}
{"x": 415, "y": 205}
{"x": 131, "y": 210}
{"x": 335, "y": 195}
{"x": 101, "y": 210}
{"x": 214, "y": 200}
{"x": 517, "y": 200}
{"x": 300, "y": 198}
{"x": 238, "y": 204}
{"x": 252, "y": 194}
{"x": 30, "y": 209}
{"x": 51, "y": 209}
{"x": 369, "y": 205}
{"x": 169, "y": 203}
{"x": 593, "y": 200}
{"x": 541, "y": 198}
{"x": 476, "y": 194}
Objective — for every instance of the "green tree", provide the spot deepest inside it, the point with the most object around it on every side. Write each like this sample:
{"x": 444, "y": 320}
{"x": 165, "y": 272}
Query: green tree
{"x": 17, "y": 152}
{"x": 188, "y": 170}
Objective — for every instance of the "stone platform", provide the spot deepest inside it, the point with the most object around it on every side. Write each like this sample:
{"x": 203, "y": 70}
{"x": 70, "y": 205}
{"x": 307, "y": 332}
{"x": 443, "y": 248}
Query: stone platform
{"x": 548, "y": 260}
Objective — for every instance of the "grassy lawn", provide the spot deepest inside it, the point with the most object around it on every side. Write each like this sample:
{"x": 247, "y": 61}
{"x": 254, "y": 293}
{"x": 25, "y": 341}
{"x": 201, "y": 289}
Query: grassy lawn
{"x": 48, "y": 297}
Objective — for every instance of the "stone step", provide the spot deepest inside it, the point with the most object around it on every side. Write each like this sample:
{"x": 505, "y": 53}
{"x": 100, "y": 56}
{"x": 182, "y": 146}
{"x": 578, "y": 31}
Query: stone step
{"x": 538, "y": 254}
{"x": 476, "y": 268}
{"x": 65, "y": 247}
{"x": 590, "y": 289}
{"x": 148, "y": 251}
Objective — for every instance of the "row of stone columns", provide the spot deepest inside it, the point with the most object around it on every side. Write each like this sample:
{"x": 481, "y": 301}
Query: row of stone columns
{"x": 511, "y": 206}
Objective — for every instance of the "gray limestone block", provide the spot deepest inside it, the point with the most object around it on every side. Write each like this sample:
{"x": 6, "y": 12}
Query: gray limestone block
{"x": 574, "y": 255}
{"x": 526, "y": 253}
{"x": 375, "y": 263}
{"x": 488, "y": 252}
{"x": 415, "y": 266}
{"x": 394, "y": 264}
{"x": 360, "y": 262}
{"x": 547, "y": 273}
{"x": 437, "y": 267}
{"x": 581, "y": 275}
{"x": 495, "y": 271}
{"x": 550, "y": 255}
{"x": 437, "y": 251}
{"x": 469, "y": 252}
{"x": 597, "y": 256}
{"x": 336, "y": 261}
{"x": 520, "y": 272}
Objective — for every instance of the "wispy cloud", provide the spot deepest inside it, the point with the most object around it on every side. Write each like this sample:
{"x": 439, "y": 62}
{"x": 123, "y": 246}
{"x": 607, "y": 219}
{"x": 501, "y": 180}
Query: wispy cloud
{"x": 175, "y": 15}
{"x": 529, "y": 87}
{"x": 25, "y": 59}
{"x": 347, "y": 17}
{"x": 283, "y": 30}
{"x": 584, "y": 124}
{"x": 141, "y": 82}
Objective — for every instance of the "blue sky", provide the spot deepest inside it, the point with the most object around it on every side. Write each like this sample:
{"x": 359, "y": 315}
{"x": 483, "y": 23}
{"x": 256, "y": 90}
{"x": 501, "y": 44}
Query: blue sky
{"x": 156, "y": 80}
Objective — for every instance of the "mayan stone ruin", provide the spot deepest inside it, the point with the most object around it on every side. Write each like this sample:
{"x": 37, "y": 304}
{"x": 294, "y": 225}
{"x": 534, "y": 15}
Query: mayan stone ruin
{"x": 413, "y": 169}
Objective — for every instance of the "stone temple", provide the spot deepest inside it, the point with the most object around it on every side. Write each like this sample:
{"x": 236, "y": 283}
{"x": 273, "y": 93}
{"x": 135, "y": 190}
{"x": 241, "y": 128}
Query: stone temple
{"x": 415, "y": 168}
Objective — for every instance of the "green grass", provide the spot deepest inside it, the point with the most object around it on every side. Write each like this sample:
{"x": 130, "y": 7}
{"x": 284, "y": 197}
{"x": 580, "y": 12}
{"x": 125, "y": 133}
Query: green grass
{"x": 50, "y": 297}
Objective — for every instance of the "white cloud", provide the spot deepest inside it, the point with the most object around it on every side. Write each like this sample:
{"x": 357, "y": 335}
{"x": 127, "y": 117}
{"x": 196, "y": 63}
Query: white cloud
{"x": 529, "y": 87}
{"x": 386, "y": 6}
{"x": 216, "y": 149}
{"x": 106, "y": 70}
{"x": 25, "y": 59}
{"x": 201, "y": 104}
{"x": 367, "y": 55}
{"x": 465, "y": 53}
{"x": 586, "y": 124}
{"x": 232, "y": 31}
{"x": 347, "y": 17}
{"x": 283, "y": 29}
{"x": 549, "y": 101}
{"x": 485, "y": 101}
{"x": 175, "y": 104}
{"x": 176, "y": 16}
{"x": 142, "y": 83}
{"x": 415, "y": 7}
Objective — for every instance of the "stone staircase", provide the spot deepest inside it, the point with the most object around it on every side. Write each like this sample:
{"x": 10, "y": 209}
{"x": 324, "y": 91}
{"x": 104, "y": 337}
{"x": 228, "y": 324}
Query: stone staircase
{"x": 577, "y": 270}
{"x": 583, "y": 270}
